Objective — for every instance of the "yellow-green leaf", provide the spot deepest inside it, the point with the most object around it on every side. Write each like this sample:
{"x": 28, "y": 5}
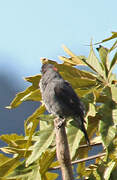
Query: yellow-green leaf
{"x": 114, "y": 35}
{"x": 9, "y": 165}
{"x": 45, "y": 140}
{"x": 51, "y": 176}
{"x": 93, "y": 62}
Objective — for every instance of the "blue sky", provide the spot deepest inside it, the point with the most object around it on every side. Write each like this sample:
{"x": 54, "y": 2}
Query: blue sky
{"x": 31, "y": 29}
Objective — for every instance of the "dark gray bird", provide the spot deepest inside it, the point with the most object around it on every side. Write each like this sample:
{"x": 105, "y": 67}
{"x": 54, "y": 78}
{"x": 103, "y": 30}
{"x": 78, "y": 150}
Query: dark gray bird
{"x": 59, "y": 97}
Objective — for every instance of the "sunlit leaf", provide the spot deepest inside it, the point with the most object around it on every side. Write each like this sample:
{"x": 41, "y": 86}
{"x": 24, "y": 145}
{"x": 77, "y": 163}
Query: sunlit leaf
{"x": 93, "y": 62}
{"x": 74, "y": 138}
{"x": 20, "y": 97}
{"x": 22, "y": 171}
{"x": 45, "y": 139}
{"x": 51, "y": 176}
{"x": 35, "y": 174}
{"x": 103, "y": 52}
{"x": 68, "y": 51}
{"x": 73, "y": 61}
{"x": 33, "y": 96}
{"x": 11, "y": 138}
{"x": 32, "y": 122}
{"x": 114, "y": 35}
{"x": 114, "y": 60}
{"x": 33, "y": 119}
{"x": 108, "y": 170}
{"x": 46, "y": 160}
{"x": 9, "y": 165}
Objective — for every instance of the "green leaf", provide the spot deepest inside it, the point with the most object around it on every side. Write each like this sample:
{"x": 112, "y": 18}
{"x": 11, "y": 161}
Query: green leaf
{"x": 114, "y": 35}
{"x": 114, "y": 93}
{"x": 109, "y": 169}
{"x": 74, "y": 138}
{"x": 3, "y": 159}
{"x": 113, "y": 46}
{"x": 45, "y": 140}
{"x": 31, "y": 124}
{"x": 33, "y": 120}
{"x": 114, "y": 60}
{"x": 8, "y": 166}
{"x": 11, "y": 150}
{"x": 46, "y": 121}
{"x": 22, "y": 171}
{"x": 35, "y": 174}
{"x": 46, "y": 160}
{"x": 93, "y": 62}
{"x": 103, "y": 52}
{"x": 11, "y": 139}
{"x": 51, "y": 176}
{"x": 107, "y": 126}
{"x": 33, "y": 96}
{"x": 83, "y": 153}
{"x": 20, "y": 97}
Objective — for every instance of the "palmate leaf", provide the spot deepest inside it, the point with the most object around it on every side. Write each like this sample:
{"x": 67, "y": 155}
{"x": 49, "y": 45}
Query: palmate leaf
{"x": 51, "y": 176}
{"x": 104, "y": 52}
{"x": 46, "y": 121}
{"x": 29, "y": 93}
{"x": 75, "y": 59}
{"x": 46, "y": 160}
{"x": 8, "y": 166}
{"x": 11, "y": 139}
{"x": 114, "y": 60}
{"x": 83, "y": 153}
{"x": 92, "y": 125}
{"x": 108, "y": 118}
{"x": 109, "y": 169}
{"x": 44, "y": 141}
{"x": 33, "y": 120}
{"x": 93, "y": 62}
{"x": 35, "y": 174}
{"x": 22, "y": 171}
{"x": 74, "y": 138}
{"x": 114, "y": 35}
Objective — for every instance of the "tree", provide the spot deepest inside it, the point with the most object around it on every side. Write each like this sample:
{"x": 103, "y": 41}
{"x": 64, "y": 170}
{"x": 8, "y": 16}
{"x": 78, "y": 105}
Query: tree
{"x": 34, "y": 155}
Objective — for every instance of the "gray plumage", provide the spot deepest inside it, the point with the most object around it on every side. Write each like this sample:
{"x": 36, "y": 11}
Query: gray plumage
{"x": 59, "y": 97}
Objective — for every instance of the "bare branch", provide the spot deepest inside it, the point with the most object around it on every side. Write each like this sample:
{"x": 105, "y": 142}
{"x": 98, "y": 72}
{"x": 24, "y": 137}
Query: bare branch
{"x": 86, "y": 145}
{"x": 82, "y": 160}
{"x": 62, "y": 150}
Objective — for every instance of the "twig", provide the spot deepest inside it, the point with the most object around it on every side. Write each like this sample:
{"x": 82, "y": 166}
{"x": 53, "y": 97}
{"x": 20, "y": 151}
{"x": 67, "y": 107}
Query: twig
{"x": 86, "y": 145}
{"x": 82, "y": 160}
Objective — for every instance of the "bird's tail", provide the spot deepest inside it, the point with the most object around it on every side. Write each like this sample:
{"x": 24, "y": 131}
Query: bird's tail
{"x": 80, "y": 122}
{"x": 85, "y": 133}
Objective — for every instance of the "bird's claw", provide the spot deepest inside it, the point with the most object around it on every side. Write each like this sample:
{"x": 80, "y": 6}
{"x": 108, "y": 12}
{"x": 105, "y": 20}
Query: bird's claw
{"x": 61, "y": 122}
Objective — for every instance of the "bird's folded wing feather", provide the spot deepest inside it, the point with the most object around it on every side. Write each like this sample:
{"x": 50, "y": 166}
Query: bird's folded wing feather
{"x": 65, "y": 92}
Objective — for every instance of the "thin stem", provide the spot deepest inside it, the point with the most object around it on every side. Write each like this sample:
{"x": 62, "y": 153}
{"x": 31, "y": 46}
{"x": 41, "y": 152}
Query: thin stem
{"x": 82, "y": 160}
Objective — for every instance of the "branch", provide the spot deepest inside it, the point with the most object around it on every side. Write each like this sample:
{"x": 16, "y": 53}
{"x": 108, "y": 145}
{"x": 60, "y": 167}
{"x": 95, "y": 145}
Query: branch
{"x": 62, "y": 150}
{"x": 82, "y": 160}
{"x": 86, "y": 145}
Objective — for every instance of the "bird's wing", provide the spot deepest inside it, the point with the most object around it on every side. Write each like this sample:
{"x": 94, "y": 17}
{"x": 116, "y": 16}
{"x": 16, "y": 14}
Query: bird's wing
{"x": 65, "y": 92}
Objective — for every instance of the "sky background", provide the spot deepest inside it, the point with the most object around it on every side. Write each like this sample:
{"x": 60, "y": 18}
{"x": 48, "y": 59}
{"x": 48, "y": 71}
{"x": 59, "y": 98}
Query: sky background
{"x": 31, "y": 29}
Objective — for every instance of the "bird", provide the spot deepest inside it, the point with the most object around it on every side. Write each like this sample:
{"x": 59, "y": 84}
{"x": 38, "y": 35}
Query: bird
{"x": 60, "y": 99}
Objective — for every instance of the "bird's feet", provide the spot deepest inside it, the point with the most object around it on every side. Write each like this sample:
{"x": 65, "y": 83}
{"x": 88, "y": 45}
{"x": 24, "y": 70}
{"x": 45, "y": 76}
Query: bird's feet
{"x": 59, "y": 122}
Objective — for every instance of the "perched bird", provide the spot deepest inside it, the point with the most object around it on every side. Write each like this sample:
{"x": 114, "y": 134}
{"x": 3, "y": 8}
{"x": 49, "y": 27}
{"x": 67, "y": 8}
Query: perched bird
{"x": 59, "y": 97}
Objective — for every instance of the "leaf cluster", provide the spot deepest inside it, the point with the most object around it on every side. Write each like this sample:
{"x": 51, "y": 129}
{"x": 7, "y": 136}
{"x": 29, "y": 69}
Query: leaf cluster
{"x": 34, "y": 154}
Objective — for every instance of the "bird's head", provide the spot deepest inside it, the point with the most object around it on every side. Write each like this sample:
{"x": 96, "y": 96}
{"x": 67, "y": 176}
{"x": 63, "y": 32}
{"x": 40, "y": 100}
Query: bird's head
{"x": 46, "y": 67}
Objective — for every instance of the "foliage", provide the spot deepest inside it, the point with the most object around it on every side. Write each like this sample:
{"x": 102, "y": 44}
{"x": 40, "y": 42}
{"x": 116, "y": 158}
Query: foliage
{"x": 34, "y": 154}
